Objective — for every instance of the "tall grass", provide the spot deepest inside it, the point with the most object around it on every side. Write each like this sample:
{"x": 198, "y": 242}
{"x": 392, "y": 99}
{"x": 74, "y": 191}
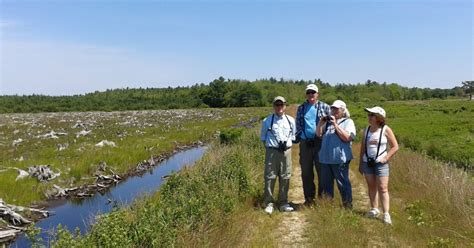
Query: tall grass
{"x": 193, "y": 203}
{"x": 432, "y": 204}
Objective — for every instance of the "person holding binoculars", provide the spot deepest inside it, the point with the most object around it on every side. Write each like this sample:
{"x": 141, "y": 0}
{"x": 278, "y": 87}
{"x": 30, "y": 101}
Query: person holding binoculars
{"x": 277, "y": 134}
{"x": 337, "y": 132}
{"x": 374, "y": 157}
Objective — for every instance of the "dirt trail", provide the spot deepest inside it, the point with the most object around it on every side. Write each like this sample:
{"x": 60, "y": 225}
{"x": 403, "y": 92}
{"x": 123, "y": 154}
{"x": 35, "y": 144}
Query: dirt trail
{"x": 294, "y": 224}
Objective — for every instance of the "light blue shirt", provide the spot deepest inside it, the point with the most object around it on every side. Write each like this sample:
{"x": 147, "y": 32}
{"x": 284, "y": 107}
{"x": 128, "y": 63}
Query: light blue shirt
{"x": 283, "y": 129}
{"x": 333, "y": 149}
{"x": 308, "y": 116}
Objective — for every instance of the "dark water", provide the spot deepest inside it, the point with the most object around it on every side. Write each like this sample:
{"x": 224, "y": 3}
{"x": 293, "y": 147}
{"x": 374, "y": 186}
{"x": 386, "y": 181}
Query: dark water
{"x": 80, "y": 213}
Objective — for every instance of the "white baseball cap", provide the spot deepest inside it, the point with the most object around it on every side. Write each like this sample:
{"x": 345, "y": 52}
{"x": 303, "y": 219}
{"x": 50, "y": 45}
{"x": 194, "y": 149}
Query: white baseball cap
{"x": 376, "y": 110}
{"x": 339, "y": 104}
{"x": 312, "y": 87}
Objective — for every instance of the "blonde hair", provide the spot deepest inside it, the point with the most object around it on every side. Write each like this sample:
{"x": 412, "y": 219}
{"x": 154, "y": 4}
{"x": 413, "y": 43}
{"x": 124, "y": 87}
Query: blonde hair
{"x": 346, "y": 113}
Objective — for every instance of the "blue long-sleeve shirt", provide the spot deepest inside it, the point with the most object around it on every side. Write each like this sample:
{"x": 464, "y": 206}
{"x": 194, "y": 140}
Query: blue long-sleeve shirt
{"x": 283, "y": 129}
{"x": 307, "y": 118}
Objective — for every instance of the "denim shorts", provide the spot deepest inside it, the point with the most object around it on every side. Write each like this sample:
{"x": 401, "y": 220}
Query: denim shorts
{"x": 380, "y": 169}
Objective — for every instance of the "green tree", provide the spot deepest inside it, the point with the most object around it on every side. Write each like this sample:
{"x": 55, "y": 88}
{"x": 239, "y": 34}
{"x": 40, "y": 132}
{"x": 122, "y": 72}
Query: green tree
{"x": 468, "y": 87}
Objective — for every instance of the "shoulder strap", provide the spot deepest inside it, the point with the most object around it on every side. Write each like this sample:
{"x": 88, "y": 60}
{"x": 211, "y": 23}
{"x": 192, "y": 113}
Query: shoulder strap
{"x": 289, "y": 123}
{"x": 317, "y": 112}
{"x": 343, "y": 121}
{"x": 271, "y": 125}
{"x": 366, "y": 136}
{"x": 303, "y": 120}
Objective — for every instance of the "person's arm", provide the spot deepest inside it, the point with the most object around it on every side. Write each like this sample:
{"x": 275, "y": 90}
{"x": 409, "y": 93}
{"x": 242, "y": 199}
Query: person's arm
{"x": 293, "y": 134}
{"x": 392, "y": 141}
{"x": 319, "y": 128}
{"x": 299, "y": 125}
{"x": 362, "y": 151}
{"x": 343, "y": 134}
{"x": 264, "y": 131}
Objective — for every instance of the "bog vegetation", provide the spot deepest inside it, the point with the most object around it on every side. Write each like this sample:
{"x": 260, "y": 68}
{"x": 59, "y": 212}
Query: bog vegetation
{"x": 77, "y": 144}
{"x": 217, "y": 203}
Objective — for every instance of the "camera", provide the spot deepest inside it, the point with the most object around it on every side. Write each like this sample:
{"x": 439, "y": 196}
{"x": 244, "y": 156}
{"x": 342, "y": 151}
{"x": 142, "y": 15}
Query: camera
{"x": 371, "y": 162}
{"x": 327, "y": 118}
{"x": 282, "y": 146}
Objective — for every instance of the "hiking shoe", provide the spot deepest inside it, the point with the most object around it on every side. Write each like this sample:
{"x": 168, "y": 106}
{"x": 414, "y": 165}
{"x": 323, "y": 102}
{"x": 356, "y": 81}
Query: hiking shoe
{"x": 269, "y": 208}
{"x": 386, "y": 219}
{"x": 309, "y": 202}
{"x": 286, "y": 208}
{"x": 373, "y": 213}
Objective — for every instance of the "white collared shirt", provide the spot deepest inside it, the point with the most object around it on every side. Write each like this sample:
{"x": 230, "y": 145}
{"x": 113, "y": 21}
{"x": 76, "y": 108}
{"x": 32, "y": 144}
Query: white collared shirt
{"x": 283, "y": 129}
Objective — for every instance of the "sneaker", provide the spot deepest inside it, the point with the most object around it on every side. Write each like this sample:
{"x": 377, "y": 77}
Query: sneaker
{"x": 373, "y": 213}
{"x": 286, "y": 208}
{"x": 269, "y": 208}
{"x": 387, "y": 219}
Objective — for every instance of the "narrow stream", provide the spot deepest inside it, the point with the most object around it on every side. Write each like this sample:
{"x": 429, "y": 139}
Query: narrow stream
{"x": 80, "y": 213}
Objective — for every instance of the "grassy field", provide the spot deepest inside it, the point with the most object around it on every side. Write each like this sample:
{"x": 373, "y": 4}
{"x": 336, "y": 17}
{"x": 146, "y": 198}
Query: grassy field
{"x": 217, "y": 202}
{"x": 442, "y": 129}
{"x": 136, "y": 134}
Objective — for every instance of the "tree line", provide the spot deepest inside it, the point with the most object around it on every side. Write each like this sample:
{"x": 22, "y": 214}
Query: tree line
{"x": 221, "y": 93}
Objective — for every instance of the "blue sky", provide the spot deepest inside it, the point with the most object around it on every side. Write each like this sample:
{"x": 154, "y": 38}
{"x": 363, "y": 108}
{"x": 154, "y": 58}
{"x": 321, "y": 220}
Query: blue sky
{"x": 74, "y": 47}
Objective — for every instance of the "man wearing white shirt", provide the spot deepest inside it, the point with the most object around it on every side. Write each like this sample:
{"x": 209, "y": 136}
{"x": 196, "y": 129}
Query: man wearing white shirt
{"x": 278, "y": 131}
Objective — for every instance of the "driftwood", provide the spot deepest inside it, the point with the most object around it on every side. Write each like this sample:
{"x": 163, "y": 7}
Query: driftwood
{"x": 102, "y": 182}
{"x": 42, "y": 172}
{"x": 83, "y": 133}
{"x": 17, "y": 142}
{"x": 8, "y": 214}
{"x": 106, "y": 143}
{"x": 7, "y": 235}
{"x": 62, "y": 147}
{"x": 21, "y": 173}
{"x": 59, "y": 192}
{"x": 51, "y": 135}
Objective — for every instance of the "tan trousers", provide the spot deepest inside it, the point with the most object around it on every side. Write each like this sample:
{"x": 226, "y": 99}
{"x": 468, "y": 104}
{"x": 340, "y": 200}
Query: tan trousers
{"x": 277, "y": 164}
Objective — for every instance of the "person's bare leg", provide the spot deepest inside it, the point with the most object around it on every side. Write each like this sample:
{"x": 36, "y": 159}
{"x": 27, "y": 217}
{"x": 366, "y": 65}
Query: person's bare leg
{"x": 382, "y": 185}
{"x": 372, "y": 185}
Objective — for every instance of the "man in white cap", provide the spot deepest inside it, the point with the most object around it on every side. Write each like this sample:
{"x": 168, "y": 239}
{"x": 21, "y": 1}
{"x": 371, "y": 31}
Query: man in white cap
{"x": 278, "y": 131}
{"x": 307, "y": 118}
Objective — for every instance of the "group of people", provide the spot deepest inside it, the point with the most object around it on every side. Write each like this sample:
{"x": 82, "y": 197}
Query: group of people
{"x": 325, "y": 134}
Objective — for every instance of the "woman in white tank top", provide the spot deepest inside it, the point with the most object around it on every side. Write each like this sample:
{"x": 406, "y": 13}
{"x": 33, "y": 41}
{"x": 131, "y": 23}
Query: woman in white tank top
{"x": 374, "y": 158}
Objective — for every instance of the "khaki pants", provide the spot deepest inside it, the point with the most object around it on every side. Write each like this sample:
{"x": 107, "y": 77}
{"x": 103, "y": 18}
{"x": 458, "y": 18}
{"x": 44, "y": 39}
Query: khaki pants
{"x": 277, "y": 164}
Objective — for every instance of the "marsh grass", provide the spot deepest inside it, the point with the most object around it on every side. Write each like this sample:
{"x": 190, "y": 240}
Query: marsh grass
{"x": 137, "y": 134}
{"x": 442, "y": 129}
{"x": 431, "y": 205}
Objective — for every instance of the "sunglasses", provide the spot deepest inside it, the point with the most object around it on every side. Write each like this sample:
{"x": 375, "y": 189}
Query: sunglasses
{"x": 279, "y": 104}
{"x": 310, "y": 92}
{"x": 370, "y": 114}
